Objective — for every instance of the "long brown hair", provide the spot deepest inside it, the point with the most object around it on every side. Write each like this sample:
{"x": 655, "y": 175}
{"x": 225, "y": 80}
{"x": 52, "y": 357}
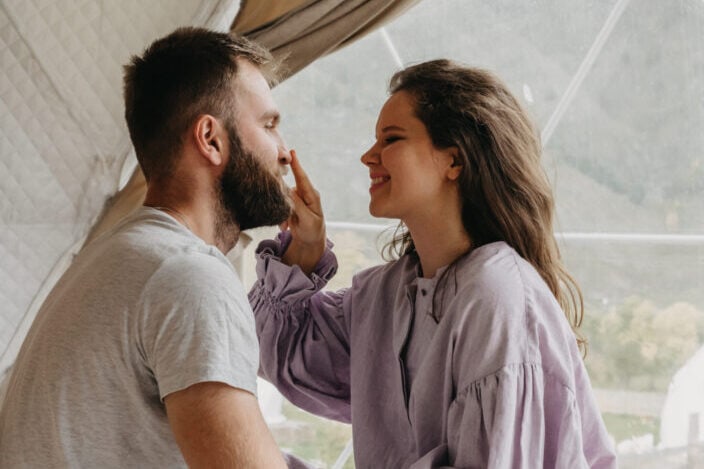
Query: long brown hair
{"x": 505, "y": 193}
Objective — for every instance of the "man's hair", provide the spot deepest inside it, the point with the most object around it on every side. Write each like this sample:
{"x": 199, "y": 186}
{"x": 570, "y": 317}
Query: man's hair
{"x": 179, "y": 77}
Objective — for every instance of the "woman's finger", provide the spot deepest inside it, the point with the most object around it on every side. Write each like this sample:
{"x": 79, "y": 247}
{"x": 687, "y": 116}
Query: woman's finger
{"x": 303, "y": 185}
{"x": 298, "y": 202}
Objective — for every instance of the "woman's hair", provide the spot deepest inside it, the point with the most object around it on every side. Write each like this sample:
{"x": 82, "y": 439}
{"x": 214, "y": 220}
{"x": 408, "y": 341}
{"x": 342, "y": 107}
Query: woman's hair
{"x": 505, "y": 193}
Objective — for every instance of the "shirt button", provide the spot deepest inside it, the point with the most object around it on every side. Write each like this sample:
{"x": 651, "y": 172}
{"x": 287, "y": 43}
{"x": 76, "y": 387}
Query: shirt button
{"x": 423, "y": 292}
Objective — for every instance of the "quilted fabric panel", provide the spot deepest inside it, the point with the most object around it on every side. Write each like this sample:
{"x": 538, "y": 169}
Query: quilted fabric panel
{"x": 39, "y": 192}
{"x": 82, "y": 45}
{"x": 63, "y": 141}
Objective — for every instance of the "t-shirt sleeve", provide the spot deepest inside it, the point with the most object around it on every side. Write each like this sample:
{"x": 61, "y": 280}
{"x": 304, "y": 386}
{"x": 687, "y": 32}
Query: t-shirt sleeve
{"x": 195, "y": 325}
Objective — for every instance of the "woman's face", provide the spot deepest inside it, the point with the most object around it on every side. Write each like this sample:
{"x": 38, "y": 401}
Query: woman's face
{"x": 410, "y": 178}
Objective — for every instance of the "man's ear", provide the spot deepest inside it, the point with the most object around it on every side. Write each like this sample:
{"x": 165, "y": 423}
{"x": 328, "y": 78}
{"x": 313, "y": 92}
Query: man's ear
{"x": 455, "y": 168}
{"x": 209, "y": 136}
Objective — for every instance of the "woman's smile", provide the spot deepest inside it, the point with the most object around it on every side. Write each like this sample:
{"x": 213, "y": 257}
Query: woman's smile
{"x": 377, "y": 181}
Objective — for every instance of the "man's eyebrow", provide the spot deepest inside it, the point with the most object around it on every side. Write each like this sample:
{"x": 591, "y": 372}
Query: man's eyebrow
{"x": 272, "y": 115}
{"x": 389, "y": 128}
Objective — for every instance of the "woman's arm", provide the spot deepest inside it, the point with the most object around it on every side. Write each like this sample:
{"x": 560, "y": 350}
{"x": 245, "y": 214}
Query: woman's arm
{"x": 303, "y": 334}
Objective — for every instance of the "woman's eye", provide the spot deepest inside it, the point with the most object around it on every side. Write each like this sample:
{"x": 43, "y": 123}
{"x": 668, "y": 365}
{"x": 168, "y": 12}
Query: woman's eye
{"x": 391, "y": 139}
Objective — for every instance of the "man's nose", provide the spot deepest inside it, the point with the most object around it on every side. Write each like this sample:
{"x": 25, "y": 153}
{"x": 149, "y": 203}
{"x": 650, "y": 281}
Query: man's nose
{"x": 284, "y": 154}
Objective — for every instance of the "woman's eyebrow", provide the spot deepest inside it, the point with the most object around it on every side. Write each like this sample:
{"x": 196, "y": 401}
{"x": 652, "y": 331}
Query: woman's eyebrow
{"x": 391, "y": 127}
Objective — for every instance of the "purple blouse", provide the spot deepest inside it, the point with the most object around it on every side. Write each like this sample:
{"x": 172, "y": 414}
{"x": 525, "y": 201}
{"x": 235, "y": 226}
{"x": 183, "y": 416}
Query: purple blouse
{"x": 497, "y": 381}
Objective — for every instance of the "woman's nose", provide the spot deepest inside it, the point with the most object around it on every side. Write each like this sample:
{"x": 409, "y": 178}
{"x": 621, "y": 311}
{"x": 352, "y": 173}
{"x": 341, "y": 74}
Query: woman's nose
{"x": 371, "y": 156}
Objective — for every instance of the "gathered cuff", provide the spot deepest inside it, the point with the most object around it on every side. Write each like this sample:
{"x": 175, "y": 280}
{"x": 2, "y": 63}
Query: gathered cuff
{"x": 289, "y": 283}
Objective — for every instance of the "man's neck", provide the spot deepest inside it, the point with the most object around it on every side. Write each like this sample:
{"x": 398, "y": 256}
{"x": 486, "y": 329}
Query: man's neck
{"x": 201, "y": 216}
{"x": 226, "y": 231}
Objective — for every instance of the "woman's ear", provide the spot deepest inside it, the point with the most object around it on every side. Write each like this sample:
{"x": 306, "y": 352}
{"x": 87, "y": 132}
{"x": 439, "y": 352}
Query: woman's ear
{"x": 209, "y": 133}
{"x": 455, "y": 168}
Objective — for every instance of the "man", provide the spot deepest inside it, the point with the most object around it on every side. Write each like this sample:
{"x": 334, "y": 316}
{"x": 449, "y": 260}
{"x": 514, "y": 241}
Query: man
{"x": 145, "y": 354}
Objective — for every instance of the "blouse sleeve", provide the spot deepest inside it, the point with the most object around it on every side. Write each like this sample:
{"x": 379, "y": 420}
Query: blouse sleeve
{"x": 303, "y": 335}
{"x": 518, "y": 417}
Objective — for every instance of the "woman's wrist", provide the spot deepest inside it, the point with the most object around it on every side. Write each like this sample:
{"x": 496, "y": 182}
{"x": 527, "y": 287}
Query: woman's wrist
{"x": 304, "y": 255}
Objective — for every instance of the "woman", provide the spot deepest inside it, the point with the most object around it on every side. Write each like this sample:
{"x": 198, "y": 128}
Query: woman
{"x": 459, "y": 352}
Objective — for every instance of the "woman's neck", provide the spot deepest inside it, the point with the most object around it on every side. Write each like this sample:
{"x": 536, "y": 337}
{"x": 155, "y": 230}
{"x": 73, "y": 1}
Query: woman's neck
{"x": 438, "y": 241}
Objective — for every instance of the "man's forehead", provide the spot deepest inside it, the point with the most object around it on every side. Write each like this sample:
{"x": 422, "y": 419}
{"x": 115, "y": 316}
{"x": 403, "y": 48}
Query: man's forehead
{"x": 252, "y": 91}
{"x": 250, "y": 77}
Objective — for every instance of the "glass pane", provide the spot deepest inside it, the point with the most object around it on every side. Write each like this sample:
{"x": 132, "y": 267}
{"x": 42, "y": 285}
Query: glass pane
{"x": 627, "y": 166}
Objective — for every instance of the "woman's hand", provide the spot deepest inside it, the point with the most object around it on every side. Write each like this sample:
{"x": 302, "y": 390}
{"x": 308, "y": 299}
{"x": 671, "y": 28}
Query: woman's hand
{"x": 306, "y": 223}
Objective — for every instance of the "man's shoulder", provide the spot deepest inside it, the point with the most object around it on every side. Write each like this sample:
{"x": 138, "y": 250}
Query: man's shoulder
{"x": 192, "y": 268}
{"x": 146, "y": 237}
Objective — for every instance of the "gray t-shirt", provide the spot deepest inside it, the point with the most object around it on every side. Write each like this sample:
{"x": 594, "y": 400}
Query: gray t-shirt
{"x": 144, "y": 311}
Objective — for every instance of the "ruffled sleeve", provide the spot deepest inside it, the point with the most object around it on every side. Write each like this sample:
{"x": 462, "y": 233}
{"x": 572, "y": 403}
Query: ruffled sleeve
{"x": 289, "y": 283}
{"x": 521, "y": 417}
{"x": 303, "y": 332}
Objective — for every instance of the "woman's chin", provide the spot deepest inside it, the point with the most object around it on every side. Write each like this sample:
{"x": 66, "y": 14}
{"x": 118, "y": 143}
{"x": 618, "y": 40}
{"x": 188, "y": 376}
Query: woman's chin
{"x": 376, "y": 213}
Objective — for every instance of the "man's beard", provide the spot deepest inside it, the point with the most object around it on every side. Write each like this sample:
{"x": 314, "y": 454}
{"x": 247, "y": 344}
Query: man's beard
{"x": 250, "y": 195}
